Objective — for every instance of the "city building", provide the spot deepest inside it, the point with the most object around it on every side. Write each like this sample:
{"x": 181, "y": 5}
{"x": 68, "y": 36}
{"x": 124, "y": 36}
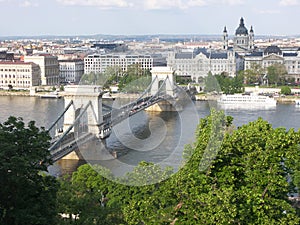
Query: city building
{"x": 98, "y": 63}
{"x": 19, "y": 75}
{"x": 243, "y": 42}
{"x": 196, "y": 65}
{"x": 49, "y": 68}
{"x": 71, "y": 71}
{"x": 4, "y": 55}
{"x": 274, "y": 55}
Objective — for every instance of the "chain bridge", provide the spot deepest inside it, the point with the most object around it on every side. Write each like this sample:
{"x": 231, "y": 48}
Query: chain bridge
{"x": 84, "y": 118}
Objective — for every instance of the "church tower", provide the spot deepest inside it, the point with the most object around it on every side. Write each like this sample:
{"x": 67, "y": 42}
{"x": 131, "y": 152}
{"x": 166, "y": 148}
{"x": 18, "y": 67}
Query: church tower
{"x": 225, "y": 39}
{"x": 251, "y": 38}
{"x": 243, "y": 42}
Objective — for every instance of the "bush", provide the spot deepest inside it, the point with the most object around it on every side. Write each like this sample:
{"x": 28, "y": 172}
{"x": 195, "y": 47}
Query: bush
{"x": 285, "y": 90}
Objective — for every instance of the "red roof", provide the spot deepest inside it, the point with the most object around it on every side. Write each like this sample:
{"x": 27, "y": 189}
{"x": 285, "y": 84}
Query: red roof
{"x": 15, "y": 63}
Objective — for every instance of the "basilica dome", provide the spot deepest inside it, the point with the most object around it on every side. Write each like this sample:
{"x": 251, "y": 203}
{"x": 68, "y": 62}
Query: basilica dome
{"x": 241, "y": 30}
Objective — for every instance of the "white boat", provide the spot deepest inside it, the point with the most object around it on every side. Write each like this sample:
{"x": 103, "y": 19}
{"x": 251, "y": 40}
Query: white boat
{"x": 297, "y": 102}
{"x": 51, "y": 95}
{"x": 108, "y": 96}
{"x": 247, "y": 100}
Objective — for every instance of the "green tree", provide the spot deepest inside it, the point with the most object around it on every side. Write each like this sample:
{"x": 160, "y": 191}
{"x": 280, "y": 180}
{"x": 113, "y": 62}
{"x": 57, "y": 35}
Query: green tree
{"x": 276, "y": 73}
{"x": 86, "y": 195}
{"x": 182, "y": 80}
{"x": 285, "y": 90}
{"x": 211, "y": 83}
{"x": 113, "y": 73}
{"x": 231, "y": 85}
{"x": 230, "y": 177}
{"x": 27, "y": 195}
{"x": 254, "y": 74}
{"x": 101, "y": 79}
{"x": 135, "y": 79}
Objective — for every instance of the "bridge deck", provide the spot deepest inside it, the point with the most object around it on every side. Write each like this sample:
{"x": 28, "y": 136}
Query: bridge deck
{"x": 67, "y": 142}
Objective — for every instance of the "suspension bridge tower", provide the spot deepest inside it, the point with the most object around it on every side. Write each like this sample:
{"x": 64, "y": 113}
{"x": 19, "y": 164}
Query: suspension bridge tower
{"x": 87, "y": 103}
{"x": 163, "y": 82}
{"x": 161, "y": 75}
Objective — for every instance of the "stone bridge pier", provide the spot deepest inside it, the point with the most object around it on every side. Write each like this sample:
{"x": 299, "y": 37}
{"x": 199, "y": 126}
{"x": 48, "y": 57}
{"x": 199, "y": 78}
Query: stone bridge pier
{"x": 159, "y": 76}
{"x": 81, "y": 95}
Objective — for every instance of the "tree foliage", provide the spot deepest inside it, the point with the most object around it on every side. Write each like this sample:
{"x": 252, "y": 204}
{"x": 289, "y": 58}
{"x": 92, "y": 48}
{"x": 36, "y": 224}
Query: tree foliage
{"x": 83, "y": 198}
{"x": 27, "y": 196}
{"x": 231, "y": 85}
{"x": 182, "y": 80}
{"x": 229, "y": 176}
{"x": 253, "y": 75}
{"x": 135, "y": 79}
{"x": 285, "y": 90}
{"x": 211, "y": 84}
{"x": 246, "y": 183}
{"x": 276, "y": 73}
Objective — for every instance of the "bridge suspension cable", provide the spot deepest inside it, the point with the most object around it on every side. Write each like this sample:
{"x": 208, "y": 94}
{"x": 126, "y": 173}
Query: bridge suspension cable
{"x": 63, "y": 113}
{"x": 159, "y": 89}
{"x": 147, "y": 90}
{"x": 71, "y": 126}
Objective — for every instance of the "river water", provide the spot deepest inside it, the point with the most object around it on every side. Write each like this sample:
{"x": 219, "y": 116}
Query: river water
{"x": 154, "y": 137}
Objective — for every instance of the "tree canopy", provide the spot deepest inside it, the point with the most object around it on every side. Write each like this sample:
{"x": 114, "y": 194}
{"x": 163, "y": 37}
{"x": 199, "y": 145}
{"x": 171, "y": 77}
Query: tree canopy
{"x": 230, "y": 176}
{"x": 285, "y": 90}
{"x": 231, "y": 85}
{"x": 254, "y": 74}
{"x": 276, "y": 73}
{"x": 27, "y": 195}
{"x": 134, "y": 79}
{"x": 211, "y": 84}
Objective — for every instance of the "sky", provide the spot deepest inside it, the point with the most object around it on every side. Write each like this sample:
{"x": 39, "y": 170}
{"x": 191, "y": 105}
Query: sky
{"x": 144, "y": 17}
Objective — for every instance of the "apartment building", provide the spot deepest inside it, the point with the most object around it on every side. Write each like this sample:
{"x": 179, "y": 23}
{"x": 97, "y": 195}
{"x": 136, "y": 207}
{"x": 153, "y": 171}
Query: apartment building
{"x": 49, "y": 68}
{"x": 98, "y": 63}
{"x": 274, "y": 55}
{"x": 71, "y": 71}
{"x": 19, "y": 75}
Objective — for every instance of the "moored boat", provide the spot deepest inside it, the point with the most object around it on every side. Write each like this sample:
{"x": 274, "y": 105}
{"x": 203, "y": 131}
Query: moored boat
{"x": 51, "y": 95}
{"x": 247, "y": 99}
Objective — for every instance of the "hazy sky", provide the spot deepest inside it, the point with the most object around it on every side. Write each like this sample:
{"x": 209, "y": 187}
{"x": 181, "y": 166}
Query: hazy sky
{"x": 77, "y": 17}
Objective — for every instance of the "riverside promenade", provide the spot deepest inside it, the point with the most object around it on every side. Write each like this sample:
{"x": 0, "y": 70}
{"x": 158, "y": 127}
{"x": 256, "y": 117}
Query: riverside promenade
{"x": 202, "y": 97}
{"x": 273, "y": 91}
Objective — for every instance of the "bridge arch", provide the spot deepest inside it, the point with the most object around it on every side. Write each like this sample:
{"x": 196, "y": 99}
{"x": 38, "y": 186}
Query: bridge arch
{"x": 82, "y": 125}
{"x": 82, "y": 95}
{"x": 161, "y": 74}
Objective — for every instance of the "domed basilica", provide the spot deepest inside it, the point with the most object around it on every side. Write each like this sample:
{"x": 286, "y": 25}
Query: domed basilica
{"x": 243, "y": 42}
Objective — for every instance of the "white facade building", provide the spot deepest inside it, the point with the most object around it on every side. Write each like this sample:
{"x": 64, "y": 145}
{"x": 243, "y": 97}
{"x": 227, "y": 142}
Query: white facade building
{"x": 71, "y": 71}
{"x": 98, "y": 63}
{"x": 197, "y": 65}
{"x": 274, "y": 55}
{"x": 202, "y": 61}
{"x": 19, "y": 74}
{"x": 49, "y": 68}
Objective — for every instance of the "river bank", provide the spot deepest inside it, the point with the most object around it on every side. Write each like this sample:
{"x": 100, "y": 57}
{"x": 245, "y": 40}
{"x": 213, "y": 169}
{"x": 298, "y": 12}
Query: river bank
{"x": 202, "y": 97}
{"x": 14, "y": 93}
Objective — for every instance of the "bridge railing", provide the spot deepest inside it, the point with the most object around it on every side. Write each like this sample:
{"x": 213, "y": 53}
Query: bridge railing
{"x": 118, "y": 115}
{"x": 67, "y": 142}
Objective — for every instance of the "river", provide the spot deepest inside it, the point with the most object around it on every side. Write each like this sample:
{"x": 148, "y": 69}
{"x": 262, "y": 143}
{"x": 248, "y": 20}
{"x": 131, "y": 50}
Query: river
{"x": 154, "y": 137}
